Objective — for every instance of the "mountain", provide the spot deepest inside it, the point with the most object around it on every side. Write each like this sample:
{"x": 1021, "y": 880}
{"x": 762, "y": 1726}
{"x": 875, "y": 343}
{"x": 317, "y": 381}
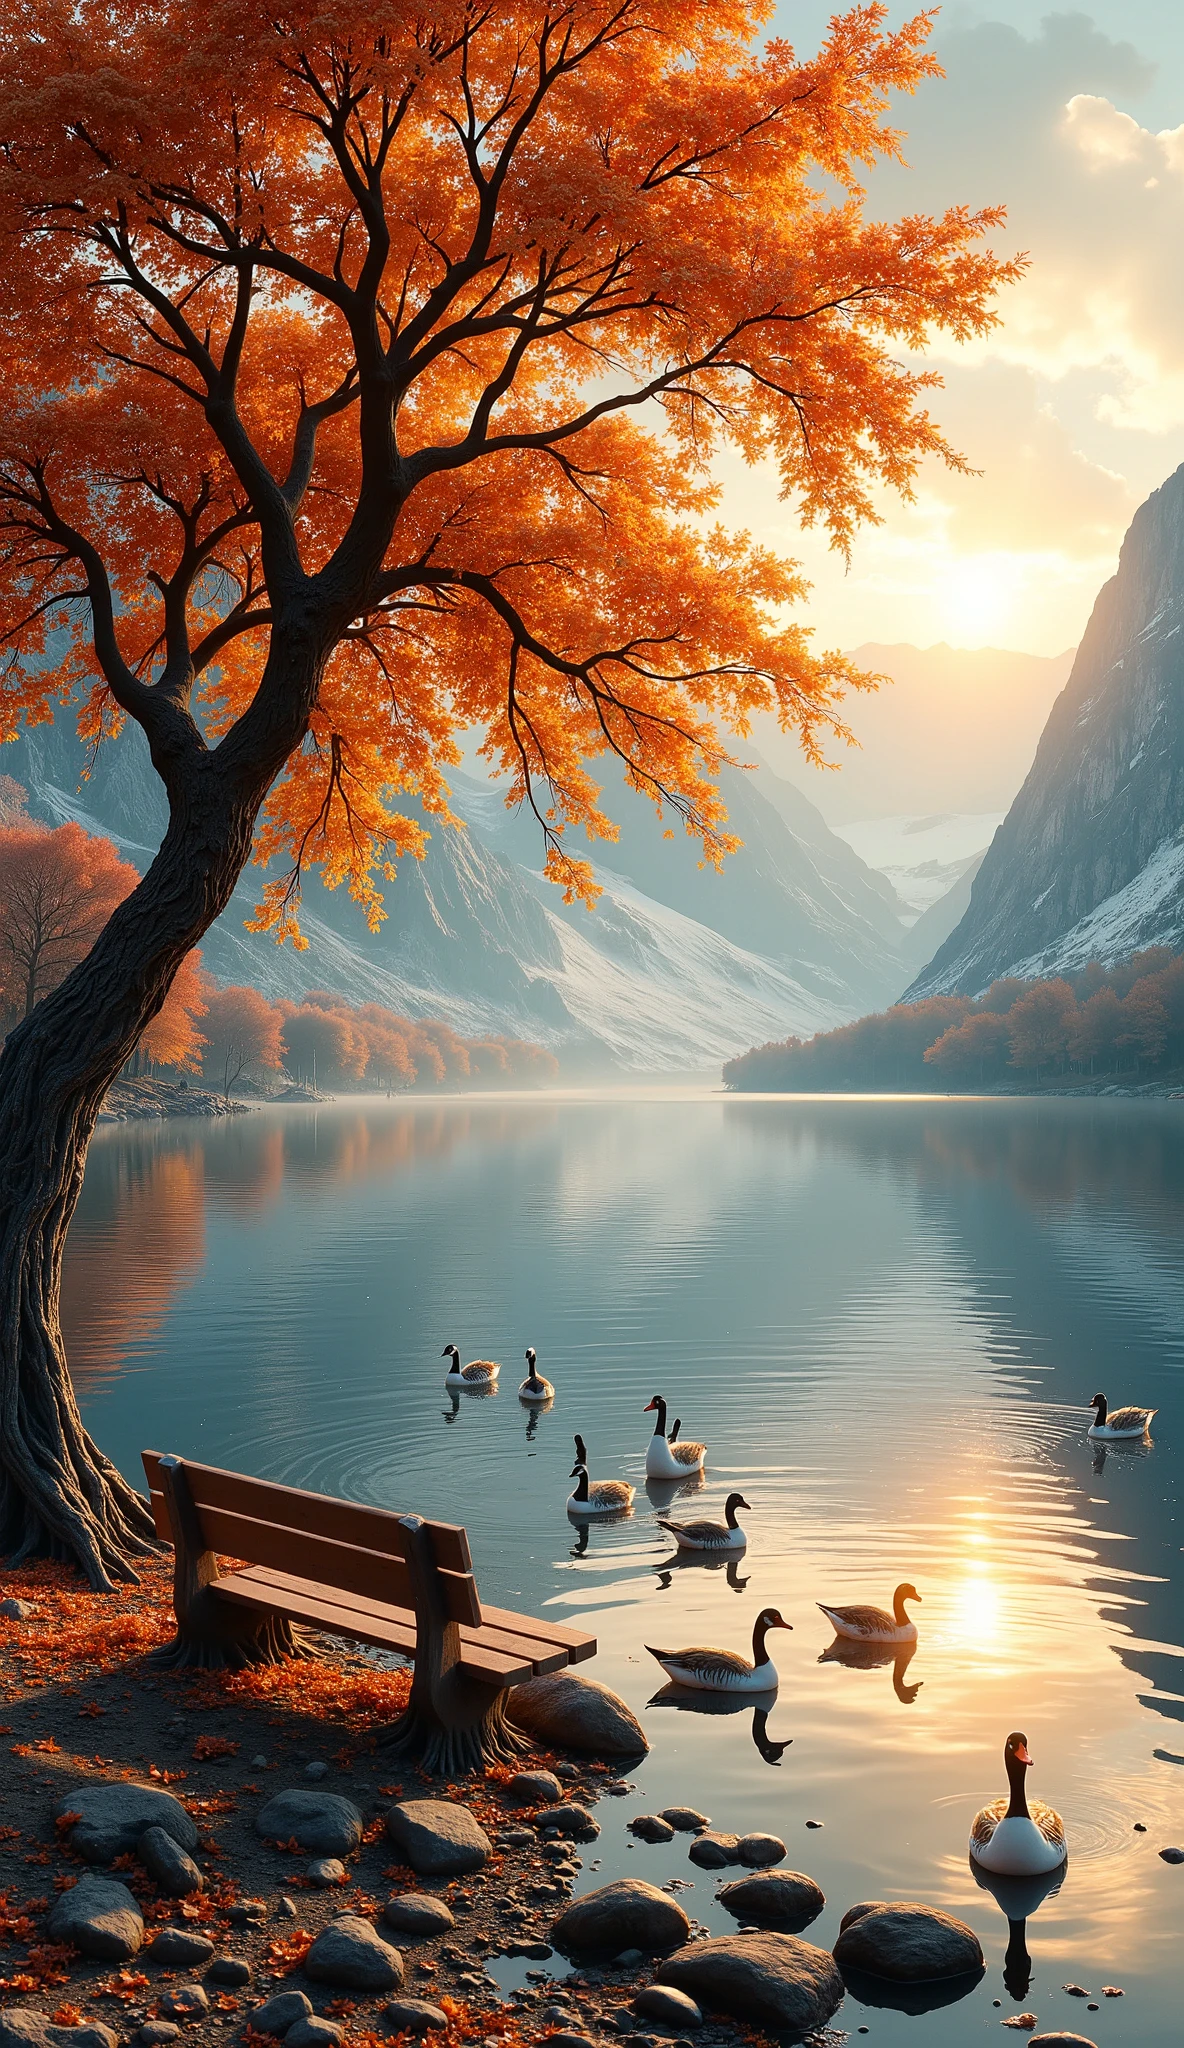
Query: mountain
{"x": 677, "y": 969}
{"x": 1089, "y": 861}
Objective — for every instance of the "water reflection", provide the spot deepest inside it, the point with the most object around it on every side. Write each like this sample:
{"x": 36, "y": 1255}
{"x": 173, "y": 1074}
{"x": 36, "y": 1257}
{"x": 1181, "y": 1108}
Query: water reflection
{"x": 1018, "y": 1898}
{"x": 872, "y": 1657}
{"x": 716, "y": 1704}
{"x": 689, "y": 1560}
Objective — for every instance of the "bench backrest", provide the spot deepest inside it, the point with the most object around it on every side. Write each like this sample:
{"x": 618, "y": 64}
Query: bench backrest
{"x": 356, "y": 1549}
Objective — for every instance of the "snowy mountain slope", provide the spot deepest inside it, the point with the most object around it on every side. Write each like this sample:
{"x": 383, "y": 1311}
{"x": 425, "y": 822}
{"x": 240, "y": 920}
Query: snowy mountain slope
{"x": 922, "y": 858}
{"x": 1088, "y": 862}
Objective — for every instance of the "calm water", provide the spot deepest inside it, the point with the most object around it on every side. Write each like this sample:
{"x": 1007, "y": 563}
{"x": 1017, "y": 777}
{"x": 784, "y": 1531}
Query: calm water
{"x": 884, "y": 1317}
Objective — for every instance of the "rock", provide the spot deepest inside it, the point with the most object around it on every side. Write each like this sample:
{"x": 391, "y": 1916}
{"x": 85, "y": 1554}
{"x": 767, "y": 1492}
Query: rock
{"x": 415, "y": 2016}
{"x": 778, "y": 1898}
{"x": 286, "y": 1910}
{"x": 438, "y": 1837}
{"x": 650, "y": 1827}
{"x": 568, "y": 2041}
{"x": 685, "y": 1820}
{"x": 625, "y": 1913}
{"x": 417, "y": 1913}
{"x": 534, "y": 1788}
{"x": 172, "y": 1867}
{"x": 112, "y": 1818}
{"x": 184, "y": 2002}
{"x": 772, "y": 1979}
{"x": 760, "y": 1850}
{"x": 1172, "y": 1855}
{"x": 714, "y": 1851}
{"x": 245, "y": 1911}
{"x": 157, "y": 2033}
{"x": 320, "y": 1823}
{"x": 174, "y": 1949}
{"x": 1058, "y": 2041}
{"x": 15, "y": 1610}
{"x": 663, "y": 2002}
{"x": 259, "y": 1763}
{"x": 568, "y": 1819}
{"x": 906, "y": 1943}
{"x": 629, "y": 1959}
{"x": 314, "y": 1772}
{"x": 350, "y": 1953}
{"x": 280, "y": 2013}
{"x": 577, "y": 1713}
{"x": 21, "y": 2027}
{"x": 314, "y": 2032}
{"x": 100, "y": 1917}
{"x": 229, "y": 1970}
{"x": 326, "y": 1870}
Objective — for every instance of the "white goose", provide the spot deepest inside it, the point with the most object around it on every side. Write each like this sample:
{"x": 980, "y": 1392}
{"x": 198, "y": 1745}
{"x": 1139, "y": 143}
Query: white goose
{"x": 874, "y": 1624}
{"x": 723, "y": 1670}
{"x": 666, "y": 1460}
{"x": 1011, "y": 1838}
{"x": 597, "y": 1496}
{"x": 711, "y": 1536}
{"x": 534, "y": 1387}
{"x": 481, "y": 1373}
{"x": 1111, "y": 1423}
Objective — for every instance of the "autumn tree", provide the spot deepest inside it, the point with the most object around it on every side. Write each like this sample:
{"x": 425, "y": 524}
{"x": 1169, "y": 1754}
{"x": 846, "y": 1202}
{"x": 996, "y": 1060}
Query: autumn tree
{"x": 172, "y": 1037}
{"x": 977, "y": 1047}
{"x": 1041, "y": 1023}
{"x": 366, "y": 367}
{"x": 57, "y": 891}
{"x": 242, "y": 1036}
{"x": 14, "y": 802}
{"x": 1097, "y": 1024}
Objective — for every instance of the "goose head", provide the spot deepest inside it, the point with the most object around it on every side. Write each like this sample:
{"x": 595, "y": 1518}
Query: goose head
{"x": 581, "y": 1453}
{"x": 903, "y": 1593}
{"x": 1100, "y": 1405}
{"x": 657, "y": 1406}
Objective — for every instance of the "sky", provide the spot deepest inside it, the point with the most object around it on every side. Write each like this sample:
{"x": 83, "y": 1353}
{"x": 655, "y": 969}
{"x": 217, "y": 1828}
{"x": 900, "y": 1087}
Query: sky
{"x": 1073, "y": 408}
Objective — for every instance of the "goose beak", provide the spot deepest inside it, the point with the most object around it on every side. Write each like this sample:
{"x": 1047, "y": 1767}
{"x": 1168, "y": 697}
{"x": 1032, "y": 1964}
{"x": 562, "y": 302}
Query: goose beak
{"x": 1021, "y": 1754}
{"x": 648, "y": 1406}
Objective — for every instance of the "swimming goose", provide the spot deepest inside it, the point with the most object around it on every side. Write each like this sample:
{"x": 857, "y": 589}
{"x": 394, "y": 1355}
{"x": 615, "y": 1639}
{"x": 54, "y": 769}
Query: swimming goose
{"x": 873, "y": 1624}
{"x": 711, "y": 1536}
{"x": 534, "y": 1387}
{"x": 598, "y": 1496}
{"x": 1011, "y": 1838}
{"x": 723, "y": 1670}
{"x": 1117, "y": 1422}
{"x": 481, "y": 1373}
{"x": 664, "y": 1460}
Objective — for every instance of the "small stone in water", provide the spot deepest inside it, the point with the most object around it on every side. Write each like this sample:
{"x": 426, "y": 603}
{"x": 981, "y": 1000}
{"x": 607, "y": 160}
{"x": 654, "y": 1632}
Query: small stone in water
{"x": 1172, "y": 1855}
{"x": 1075, "y": 1990}
{"x": 1140, "y": 1827}
{"x": 1026, "y": 2020}
{"x": 815, "y": 1823}
{"x": 1111, "y": 1991}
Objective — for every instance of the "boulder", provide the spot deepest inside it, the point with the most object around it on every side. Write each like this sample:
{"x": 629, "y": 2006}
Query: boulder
{"x": 1172, "y": 1855}
{"x": 21, "y": 2027}
{"x": 100, "y": 1918}
{"x": 416, "y": 1913}
{"x": 673, "y": 2008}
{"x": 415, "y": 2016}
{"x": 685, "y": 1820}
{"x": 16, "y": 1610}
{"x": 314, "y": 2032}
{"x": 185, "y": 2003}
{"x": 758, "y": 1851}
{"x": 650, "y": 1827}
{"x": 773, "y": 1980}
{"x": 320, "y": 1823}
{"x": 173, "y": 1868}
{"x": 174, "y": 1949}
{"x": 777, "y": 1898}
{"x": 714, "y": 1851}
{"x": 906, "y": 1943}
{"x": 112, "y": 1818}
{"x": 534, "y": 1788}
{"x": 577, "y": 1713}
{"x": 349, "y": 1953}
{"x": 280, "y": 2013}
{"x": 437, "y": 1837}
{"x": 627, "y": 1913}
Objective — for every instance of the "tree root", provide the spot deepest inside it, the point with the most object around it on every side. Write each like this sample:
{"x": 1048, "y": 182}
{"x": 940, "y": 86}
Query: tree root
{"x": 272, "y": 1640}
{"x": 420, "y": 1737}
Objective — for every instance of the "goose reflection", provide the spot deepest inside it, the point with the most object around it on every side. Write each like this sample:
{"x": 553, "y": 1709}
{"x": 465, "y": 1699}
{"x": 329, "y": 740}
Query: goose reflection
{"x": 762, "y": 1705}
{"x": 1018, "y": 1898}
{"x": 533, "y": 1412}
{"x": 1134, "y": 1447}
{"x": 450, "y": 1413}
{"x": 690, "y": 1561}
{"x": 870, "y": 1656}
{"x": 662, "y": 1493}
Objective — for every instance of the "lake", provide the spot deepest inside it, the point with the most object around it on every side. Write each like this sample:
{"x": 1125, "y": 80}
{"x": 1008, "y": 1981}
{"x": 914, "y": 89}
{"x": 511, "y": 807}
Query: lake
{"x": 885, "y": 1317}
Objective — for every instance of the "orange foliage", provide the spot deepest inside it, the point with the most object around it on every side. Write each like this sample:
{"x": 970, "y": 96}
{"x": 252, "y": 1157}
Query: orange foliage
{"x": 396, "y": 341}
{"x": 172, "y": 1039}
{"x": 57, "y": 890}
{"x": 242, "y": 1036}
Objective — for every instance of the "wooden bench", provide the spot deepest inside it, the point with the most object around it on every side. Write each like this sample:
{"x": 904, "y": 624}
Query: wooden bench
{"x": 305, "y": 1561}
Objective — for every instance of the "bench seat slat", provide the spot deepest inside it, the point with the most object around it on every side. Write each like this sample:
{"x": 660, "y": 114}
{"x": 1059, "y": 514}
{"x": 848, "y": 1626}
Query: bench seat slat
{"x": 575, "y": 1641}
{"x": 318, "y": 1514}
{"x": 395, "y": 1629}
{"x": 343, "y": 1565}
{"x": 517, "y": 1645}
{"x": 548, "y": 1650}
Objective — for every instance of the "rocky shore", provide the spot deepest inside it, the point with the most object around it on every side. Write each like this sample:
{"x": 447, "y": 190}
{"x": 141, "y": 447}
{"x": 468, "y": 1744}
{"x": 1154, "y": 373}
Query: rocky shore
{"x": 142, "y": 1100}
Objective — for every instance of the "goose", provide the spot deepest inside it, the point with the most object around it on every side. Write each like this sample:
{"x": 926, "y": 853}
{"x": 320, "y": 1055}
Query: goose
{"x": 481, "y": 1373}
{"x": 711, "y": 1536}
{"x": 723, "y": 1670}
{"x": 598, "y": 1496}
{"x": 534, "y": 1387}
{"x": 664, "y": 1460}
{"x": 1110, "y": 1423}
{"x": 1011, "y": 1838}
{"x": 873, "y": 1624}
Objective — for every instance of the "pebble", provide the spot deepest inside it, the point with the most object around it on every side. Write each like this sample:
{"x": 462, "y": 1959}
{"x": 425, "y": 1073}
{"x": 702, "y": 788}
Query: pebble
{"x": 185, "y": 2002}
{"x": 246, "y": 1910}
{"x": 1140, "y": 1827}
{"x": 155, "y": 2033}
{"x": 174, "y": 1949}
{"x": 515, "y": 1838}
{"x": 286, "y": 1910}
{"x": 534, "y": 1788}
{"x": 619, "y": 1789}
{"x": 320, "y": 1823}
{"x": 417, "y": 1913}
{"x": 437, "y": 1837}
{"x": 815, "y": 1823}
{"x": 758, "y": 1851}
{"x": 569, "y": 2041}
{"x": 349, "y": 1954}
{"x": 280, "y": 2013}
{"x": 171, "y": 1865}
{"x": 685, "y": 1820}
{"x": 229, "y": 1970}
{"x": 326, "y": 1870}
{"x": 714, "y": 1851}
{"x": 568, "y": 1819}
{"x": 567, "y": 1770}
{"x": 415, "y": 2016}
{"x": 16, "y": 1610}
{"x": 258, "y": 1763}
{"x": 663, "y": 2002}
{"x": 1172, "y": 1855}
{"x": 650, "y": 1827}
{"x": 314, "y": 2032}
{"x": 314, "y": 1772}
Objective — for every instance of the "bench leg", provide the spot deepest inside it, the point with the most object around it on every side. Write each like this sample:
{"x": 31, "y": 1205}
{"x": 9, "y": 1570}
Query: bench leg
{"x": 453, "y": 1723}
{"x": 211, "y": 1634}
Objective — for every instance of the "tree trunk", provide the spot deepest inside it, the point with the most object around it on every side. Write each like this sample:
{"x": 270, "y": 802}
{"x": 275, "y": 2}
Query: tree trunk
{"x": 59, "y": 1496}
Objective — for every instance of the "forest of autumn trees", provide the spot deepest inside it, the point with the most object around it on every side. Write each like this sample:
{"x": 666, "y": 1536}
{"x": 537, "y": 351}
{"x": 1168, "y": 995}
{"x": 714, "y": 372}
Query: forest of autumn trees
{"x": 59, "y": 886}
{"x": 1127, "y": 1019}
